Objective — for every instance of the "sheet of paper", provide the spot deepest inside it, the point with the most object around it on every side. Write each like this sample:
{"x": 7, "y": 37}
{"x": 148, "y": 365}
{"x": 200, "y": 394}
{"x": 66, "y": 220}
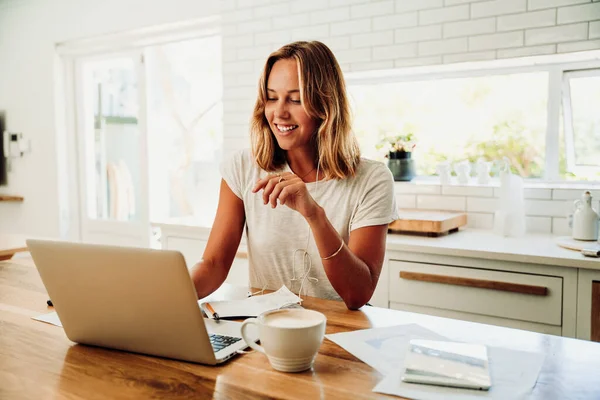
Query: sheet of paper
{"x": 514, "y": 374}
{"x": 255, "y": 305}
{"x": 382, "y": 348}
{"x": 50, "y": 318}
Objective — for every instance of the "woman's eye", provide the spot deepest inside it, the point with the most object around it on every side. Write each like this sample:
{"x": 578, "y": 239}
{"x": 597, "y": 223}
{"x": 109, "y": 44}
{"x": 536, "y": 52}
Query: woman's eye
{"x": 295, "y": 101}
{"x": 271, "y": 99}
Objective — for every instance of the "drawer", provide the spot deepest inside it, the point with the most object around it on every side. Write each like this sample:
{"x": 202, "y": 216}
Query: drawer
{"x": 525, "y": 297}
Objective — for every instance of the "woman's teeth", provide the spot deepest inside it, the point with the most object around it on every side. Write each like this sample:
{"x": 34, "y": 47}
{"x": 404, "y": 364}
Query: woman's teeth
{"x": 286, "y": 128}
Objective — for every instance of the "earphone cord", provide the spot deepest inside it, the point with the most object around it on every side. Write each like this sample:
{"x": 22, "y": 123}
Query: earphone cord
{"x": 305, "y": 257}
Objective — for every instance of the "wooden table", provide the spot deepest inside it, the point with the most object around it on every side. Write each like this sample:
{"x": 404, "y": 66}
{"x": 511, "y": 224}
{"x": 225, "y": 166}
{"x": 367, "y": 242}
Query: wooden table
{"x": 37, "y": 361}
{"x": 11, "y": 244}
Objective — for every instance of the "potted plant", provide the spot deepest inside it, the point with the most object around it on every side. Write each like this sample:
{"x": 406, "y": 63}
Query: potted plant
{"x": 399, "y": 150}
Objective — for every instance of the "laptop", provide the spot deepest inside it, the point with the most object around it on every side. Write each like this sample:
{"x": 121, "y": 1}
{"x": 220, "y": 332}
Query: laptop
{"x": 132, "y": 299}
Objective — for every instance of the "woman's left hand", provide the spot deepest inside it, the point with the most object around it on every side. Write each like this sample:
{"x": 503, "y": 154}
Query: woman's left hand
{"x": 289, "y": 190}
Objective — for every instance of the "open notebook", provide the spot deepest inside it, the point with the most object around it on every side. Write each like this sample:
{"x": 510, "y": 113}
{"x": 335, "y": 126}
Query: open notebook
{"x": 251, "y": 306}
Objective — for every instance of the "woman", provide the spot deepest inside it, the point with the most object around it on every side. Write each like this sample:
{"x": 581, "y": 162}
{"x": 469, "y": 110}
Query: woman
{"x": 316, "y": 214}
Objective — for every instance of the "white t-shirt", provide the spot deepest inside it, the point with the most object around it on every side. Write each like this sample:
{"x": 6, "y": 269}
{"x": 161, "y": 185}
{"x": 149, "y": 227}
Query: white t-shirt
{"x": 274, "y": 235}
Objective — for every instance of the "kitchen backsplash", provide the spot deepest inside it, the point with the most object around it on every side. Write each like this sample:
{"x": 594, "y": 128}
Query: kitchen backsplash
{"x": 546, "y": 208}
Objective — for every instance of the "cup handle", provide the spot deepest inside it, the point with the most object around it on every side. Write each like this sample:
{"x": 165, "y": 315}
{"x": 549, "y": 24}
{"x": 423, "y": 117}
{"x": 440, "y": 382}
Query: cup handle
{"x": 251, "y": 343}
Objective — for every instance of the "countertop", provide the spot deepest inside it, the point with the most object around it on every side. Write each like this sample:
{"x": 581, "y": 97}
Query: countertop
{"x": 475, "y": 243}
{"x": 531, "y": 248}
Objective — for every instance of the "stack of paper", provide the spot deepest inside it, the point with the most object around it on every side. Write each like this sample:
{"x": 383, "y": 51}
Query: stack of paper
{"x": 513, "y": 372}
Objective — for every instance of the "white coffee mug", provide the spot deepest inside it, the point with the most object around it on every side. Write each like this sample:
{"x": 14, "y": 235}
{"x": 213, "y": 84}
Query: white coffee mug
{"x": 290, "y": 338}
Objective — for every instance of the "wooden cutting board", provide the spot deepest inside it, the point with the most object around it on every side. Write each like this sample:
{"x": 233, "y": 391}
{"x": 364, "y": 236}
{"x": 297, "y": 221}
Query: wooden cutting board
{"x": 428, "y": 222}
{"x": 573, "y": 244}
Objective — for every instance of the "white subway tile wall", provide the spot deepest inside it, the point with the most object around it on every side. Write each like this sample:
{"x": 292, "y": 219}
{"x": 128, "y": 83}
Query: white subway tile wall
{"x": 405, "y": 201}
{"x": 448, "y": 203}
{"x": 546, "y": 209}
{"x": 370, "y": 35}
{"x": 538, "y": 224}
{"x": 480, "y": 221}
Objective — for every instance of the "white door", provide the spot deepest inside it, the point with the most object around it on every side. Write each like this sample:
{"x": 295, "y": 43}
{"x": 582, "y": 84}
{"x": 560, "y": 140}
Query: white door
{"x": 112, "y": 147}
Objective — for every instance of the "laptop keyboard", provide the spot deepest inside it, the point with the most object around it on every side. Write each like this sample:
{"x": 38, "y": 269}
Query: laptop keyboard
{"x": 219, "y": 342}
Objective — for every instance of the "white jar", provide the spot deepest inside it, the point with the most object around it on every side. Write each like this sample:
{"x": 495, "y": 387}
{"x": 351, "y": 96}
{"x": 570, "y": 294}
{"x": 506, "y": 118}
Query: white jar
{"x": 585, "y": 219}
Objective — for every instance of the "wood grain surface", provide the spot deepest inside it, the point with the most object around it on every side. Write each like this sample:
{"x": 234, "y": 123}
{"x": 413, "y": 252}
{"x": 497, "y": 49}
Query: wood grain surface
{"x": 595, "y": 322}
{"x": 476, "y": 283}
{"x": 11, "y": 244}
{"x": 427, "y": 221}
{"x": 37, "y": 361}
{"x": 5, "y": 197}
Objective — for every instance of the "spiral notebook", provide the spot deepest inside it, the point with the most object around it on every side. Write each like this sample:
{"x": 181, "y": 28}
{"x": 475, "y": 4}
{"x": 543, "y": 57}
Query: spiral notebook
{"x": 252, "y": 306}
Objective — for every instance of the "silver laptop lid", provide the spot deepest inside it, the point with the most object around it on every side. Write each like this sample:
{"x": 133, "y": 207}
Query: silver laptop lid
{"x": 133, "y": 299}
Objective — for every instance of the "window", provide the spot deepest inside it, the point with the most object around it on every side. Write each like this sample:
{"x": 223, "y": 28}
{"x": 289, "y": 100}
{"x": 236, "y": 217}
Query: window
{"x": 146, "y": 113}
{"x": 581, "y": 99}
{"x": 185, "y": 129}
{"x": 487, "y": 113}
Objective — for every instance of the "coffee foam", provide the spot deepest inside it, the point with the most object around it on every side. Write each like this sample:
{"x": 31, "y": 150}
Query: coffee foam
{"x": 292, "y": 319}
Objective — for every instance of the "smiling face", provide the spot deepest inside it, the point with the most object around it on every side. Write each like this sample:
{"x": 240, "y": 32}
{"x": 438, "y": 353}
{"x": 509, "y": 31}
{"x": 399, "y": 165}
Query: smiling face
{"x": 292, "y": 126}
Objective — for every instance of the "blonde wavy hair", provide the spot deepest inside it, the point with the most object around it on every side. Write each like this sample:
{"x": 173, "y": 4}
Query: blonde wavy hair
{"x": 323, "y": 96}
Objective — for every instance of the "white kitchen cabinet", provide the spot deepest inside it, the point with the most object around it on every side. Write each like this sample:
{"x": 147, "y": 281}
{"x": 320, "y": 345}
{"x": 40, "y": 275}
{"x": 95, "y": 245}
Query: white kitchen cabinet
{"x": 191, "y": 242}
{"x": 516, "y": 295}
{"x": 191, "y": 248}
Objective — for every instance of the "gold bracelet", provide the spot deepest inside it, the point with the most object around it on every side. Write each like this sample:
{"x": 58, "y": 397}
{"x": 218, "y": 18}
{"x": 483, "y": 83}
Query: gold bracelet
{"x": 336, "y": 252}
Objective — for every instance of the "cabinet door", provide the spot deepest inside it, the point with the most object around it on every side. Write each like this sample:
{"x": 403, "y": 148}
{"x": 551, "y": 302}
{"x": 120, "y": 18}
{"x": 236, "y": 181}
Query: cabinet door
{"x": 192, "y": 249}
{"x": 588, "y": 305}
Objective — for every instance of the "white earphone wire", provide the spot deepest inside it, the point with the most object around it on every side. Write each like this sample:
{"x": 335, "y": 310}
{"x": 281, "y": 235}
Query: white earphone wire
{"x": 305, "y": 257}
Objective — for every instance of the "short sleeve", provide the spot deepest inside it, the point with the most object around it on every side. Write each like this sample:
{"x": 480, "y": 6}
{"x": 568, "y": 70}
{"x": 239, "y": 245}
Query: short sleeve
{"x": 377, "y": 205}
{"x": 235, "y": 171}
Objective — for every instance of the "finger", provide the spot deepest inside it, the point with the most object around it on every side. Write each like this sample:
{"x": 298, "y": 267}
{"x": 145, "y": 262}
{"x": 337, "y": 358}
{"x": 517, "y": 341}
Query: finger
{"x": 279, "y": 187}
{"x": 261, "y": 183}
{"x": 268, "y": 188}
{"x": 288, "y": 192}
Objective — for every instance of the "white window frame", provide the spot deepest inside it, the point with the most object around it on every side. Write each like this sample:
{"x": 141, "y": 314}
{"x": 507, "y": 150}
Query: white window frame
{"x": 568, "y": 119}
{"x": 67, "y": 54}
{"x": 556, "y": 66}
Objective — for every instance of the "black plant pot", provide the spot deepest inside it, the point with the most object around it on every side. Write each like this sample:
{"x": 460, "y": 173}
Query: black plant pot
{"x": 402, "y": 166}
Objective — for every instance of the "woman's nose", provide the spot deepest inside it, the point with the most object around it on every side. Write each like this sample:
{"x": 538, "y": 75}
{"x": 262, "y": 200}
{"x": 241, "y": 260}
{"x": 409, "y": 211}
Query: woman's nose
{"x": 281, "y": 109}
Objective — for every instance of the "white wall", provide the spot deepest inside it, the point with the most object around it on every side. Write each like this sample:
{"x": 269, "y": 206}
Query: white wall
{"x": 363, "y": 35}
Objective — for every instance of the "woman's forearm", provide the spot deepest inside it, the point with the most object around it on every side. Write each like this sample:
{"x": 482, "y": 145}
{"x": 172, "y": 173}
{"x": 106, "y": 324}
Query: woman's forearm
{"x": 349, "y": 275}
{"x": 207, "y": 277}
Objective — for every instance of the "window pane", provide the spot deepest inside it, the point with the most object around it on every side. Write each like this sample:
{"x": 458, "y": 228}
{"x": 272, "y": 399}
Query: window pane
{"x": 585, "y": 106}
{"x": 459, "y": 119}
{"x": 185, "y": 113}
{"x": 111, "y": 109}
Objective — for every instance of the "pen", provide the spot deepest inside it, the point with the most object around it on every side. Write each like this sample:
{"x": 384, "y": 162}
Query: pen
{"x": 212, "y": 311}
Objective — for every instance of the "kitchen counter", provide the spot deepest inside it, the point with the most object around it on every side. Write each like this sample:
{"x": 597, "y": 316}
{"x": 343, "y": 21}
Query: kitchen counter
{"x": 473, "y": 243}
{"x": 531, "y": 248}
{"x": 473, "y": 275}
